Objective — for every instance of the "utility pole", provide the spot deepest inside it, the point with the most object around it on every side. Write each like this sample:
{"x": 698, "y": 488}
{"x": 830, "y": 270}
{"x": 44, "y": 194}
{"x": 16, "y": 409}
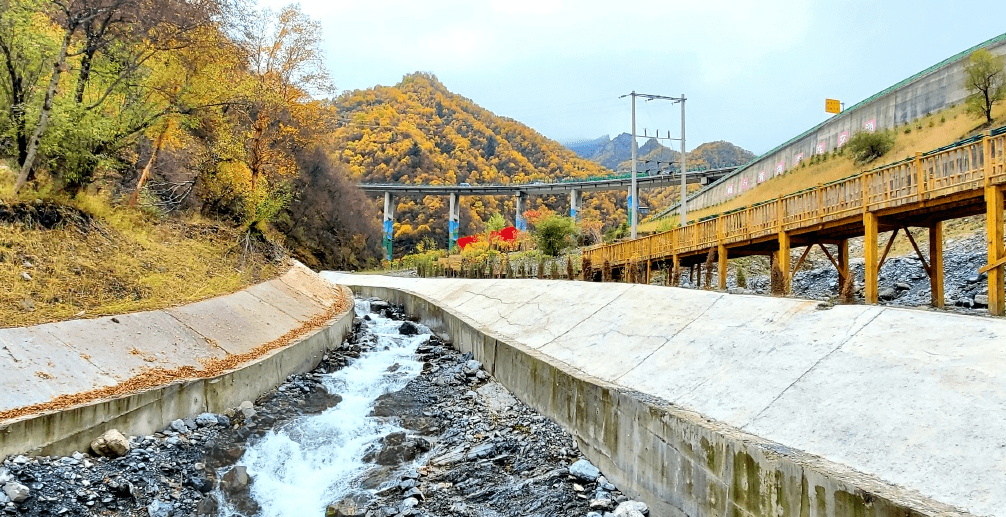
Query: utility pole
{"x": 633, "y": 189}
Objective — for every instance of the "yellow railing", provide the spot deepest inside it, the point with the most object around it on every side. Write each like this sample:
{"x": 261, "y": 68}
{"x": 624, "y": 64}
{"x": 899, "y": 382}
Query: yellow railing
{"x": 959, "y": 168}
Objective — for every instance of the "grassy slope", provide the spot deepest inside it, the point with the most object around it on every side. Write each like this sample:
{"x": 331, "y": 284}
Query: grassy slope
{"x": 957, "y": 125}
{"x": 125, "y": 261}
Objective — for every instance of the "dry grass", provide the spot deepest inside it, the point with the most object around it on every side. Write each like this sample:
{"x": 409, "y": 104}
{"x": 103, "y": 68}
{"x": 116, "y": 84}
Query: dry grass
{"x": 928, "y": 133}
{"x": 125, "y": 261}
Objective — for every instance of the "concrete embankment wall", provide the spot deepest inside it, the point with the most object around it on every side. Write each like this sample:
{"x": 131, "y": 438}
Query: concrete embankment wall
{"x": 150, "y": 357}
{"x": 703, "y": 403}
{"x": 929, "y": 91}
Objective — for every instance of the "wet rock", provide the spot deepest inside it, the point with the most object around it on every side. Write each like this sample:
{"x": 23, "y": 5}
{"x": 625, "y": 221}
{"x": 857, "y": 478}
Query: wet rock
{"x": 583, "y": 469}
{"x": 352, "y": 506}
{"x": 398, "y": 448}
{"x": 16, "y": 492}
{"x": 235, "y": 480}
{"x": 408, "y": 329}
{"x": 379, "y": 305}
{"x": 319, "y": 400}
{"x": 112, "y": 444}
{"x": 208, "y": 506}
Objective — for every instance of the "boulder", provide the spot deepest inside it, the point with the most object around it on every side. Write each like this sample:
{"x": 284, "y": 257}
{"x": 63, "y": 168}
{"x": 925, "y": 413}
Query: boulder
{"x": 235, "y": 480}
{"x": 112, "y": 444}
{"x": 352, "y": 506}
{"x": 631, "y": 509}
{"x": 160, "y": 508}
{"x": 16, "y": 492}
{"x": 408, "y": 328}
{"x": 584, "y": 470}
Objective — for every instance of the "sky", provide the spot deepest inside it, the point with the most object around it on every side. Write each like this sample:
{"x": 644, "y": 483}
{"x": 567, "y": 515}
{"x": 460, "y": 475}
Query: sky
{"x": 754, "y": 72}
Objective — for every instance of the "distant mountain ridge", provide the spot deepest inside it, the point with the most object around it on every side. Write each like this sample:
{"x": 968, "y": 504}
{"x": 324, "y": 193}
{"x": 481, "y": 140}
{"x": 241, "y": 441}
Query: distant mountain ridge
{"x": 615, "y": 154}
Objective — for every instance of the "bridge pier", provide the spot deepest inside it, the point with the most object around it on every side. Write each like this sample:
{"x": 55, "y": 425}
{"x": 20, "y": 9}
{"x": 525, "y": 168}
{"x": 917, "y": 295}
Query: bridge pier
{"x": 936, "y": 264}
{"x": 518, "y": 220}
{"x": 721, "y": 256}
{"x": 997, "y": 255}
{"x": 783, "y": 260}
{"x": 575, "y": 199}
{"x": 453, "y": 218}
{"x": 389, "y": 224}
{"x": 872, "y": 267}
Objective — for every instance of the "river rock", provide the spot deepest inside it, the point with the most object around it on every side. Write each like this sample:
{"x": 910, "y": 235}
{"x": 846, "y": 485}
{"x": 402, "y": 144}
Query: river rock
{"x": 206, "y": 420}
{"x": 112, "y": 444}
{"x": 981, "y": 300}
{"x": 399, "y": 448}
{"x": 408, "y": 328}
{"x": 235, "y": 480}
{"x": 160, "y": 508}
{"x": 16, "y": 492}
{"x": 247, "y": 409}
{"x": 631, "y": 509}
{"x": 583, "y": 469}
{"x": 179, "y": 426}
{"x": 887, "y": 293}
{"x": 379, "y": 305}
{"x": 352, "y": 506}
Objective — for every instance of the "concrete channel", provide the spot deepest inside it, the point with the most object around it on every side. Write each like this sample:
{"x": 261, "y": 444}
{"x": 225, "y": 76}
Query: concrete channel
{"x": 295, "y": 317}
{"x": 704, "y": 403}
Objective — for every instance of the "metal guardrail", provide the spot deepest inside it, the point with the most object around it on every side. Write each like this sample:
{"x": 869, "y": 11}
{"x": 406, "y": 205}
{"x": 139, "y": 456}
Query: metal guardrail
{"x": 967, "y": 165}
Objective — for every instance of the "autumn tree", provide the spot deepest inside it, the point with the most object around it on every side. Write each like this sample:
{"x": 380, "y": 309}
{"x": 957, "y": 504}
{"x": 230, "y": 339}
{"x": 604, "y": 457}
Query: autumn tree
{"x": 985, "y": 81}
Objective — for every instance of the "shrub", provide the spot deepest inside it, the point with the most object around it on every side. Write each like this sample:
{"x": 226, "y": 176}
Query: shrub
{"x": 554, "y": 234}
{"x": 866, "y": 147}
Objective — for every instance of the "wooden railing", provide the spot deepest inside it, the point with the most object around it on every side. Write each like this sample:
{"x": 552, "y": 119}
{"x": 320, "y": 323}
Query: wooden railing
{"x": 943, "y": 172}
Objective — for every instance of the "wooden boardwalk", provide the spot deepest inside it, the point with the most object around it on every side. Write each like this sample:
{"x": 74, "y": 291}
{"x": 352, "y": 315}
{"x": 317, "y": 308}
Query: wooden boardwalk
{"x": 963, "y": 179}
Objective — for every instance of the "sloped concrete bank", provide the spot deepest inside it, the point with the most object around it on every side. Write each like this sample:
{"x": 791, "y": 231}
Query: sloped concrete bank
{"x": 64, "y": 384}
{"x": 698, "y": 448}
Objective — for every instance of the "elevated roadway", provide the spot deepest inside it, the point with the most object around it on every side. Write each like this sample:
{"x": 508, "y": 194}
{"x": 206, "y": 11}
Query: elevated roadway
{"x": 574, "y": 189}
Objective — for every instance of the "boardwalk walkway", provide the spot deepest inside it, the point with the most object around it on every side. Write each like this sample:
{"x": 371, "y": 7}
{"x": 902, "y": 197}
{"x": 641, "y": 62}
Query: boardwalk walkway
{"x": 963, "y": 179}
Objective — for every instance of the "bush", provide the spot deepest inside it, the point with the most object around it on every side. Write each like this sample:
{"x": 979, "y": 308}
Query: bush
{"x": 554, "y": 234}
{"x": 866, "y": 147}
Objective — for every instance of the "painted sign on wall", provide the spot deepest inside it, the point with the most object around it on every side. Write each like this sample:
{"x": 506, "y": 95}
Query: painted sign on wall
{"x": 821, "y": 148}
{"x": 843, "y": 137}
{"x": 780, "y": 167}
{"x": 870, "y": 125}
{"x": 797, "y": 159}
{"x": 744, "y": 184}
{"x": 730, "y": 188}
{"x": 761, "y": 176}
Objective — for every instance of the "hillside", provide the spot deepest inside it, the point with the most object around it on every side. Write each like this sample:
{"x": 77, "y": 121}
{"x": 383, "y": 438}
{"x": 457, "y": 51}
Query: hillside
{"x": 419, "y": 132}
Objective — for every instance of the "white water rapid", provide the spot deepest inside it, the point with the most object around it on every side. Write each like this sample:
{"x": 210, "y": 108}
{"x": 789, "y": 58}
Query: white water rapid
{"x": 301, "y": 467}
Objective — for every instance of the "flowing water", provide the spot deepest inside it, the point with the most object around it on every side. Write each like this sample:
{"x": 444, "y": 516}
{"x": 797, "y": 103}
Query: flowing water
{"x": 312, "y": 461}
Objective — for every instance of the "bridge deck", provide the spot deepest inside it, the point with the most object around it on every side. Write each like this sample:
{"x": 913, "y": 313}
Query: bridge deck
{"x": 967, "y": 178}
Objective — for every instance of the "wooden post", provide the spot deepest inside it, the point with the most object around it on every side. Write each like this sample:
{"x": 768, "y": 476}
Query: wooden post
{"x": 698, "y": 277}
{"x": 920, "y": 178}
{"x": 647, "y": 279}
{"x": 675, "y": 270}
{"x": 721, "y": 255}
{"x": 870, "y": 223}
{"x": 994, "y": 232}
{"x": 784, "y": 260}
{"x": 936, "y": 263}
{"x": 843, "y": 263}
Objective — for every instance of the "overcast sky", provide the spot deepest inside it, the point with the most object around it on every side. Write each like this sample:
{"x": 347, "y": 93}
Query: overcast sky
{"x": 755, "y": 72}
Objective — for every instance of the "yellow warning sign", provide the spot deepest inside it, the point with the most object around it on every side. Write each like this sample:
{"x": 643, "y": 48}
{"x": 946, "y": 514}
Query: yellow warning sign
{"x": 832, "y": 106}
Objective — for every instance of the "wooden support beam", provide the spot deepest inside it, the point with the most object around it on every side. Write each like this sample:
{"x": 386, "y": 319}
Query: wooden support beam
{"x": 994, "y": 233}
{"x": 830, "y": 257}
{"x": 887, "y": 249}
{"x": 783, "y": 258}
{"x": 721, "y": 255}
{"x": 925, "y": 265}
{"x": 936, "y": 264}
{"x": 806, "y": 251}
{"x": 870, "y": 254}
{"x": 649, "y": 264}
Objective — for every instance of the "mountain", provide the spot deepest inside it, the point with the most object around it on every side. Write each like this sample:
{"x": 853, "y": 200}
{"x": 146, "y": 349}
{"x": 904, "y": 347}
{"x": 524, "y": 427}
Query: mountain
{"x": 585, "y": 148}
{"x": 615, "y": 154}
{"x": 419, "y": 132}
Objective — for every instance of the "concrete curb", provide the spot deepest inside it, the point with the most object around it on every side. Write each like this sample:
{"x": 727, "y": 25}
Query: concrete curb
{"x": 208, "y": 329}
{"x": 680, "y": 462}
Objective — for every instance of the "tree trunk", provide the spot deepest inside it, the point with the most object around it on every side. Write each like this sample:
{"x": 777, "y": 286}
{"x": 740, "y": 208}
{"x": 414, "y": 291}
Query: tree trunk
{"x": 19, "y": 99}
{"x": 158, "y": 144}
{"x": 84, "y": 76}
{"x": 43, "y": 118}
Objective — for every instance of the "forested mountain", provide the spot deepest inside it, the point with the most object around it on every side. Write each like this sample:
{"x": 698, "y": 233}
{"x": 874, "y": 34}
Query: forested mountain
{"x": 419, "y": 132}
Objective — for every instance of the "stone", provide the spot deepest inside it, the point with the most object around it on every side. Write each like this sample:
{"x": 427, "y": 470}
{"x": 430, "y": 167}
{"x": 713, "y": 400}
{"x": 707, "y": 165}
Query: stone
{"x": 352, "y": 506}
{"x": 206, "y": 420}
{"x": 981, "y": 300}
{"x": 16, "y": 492}
{"x": 481, "y": 450}
{"x": 235, "y": 480}
{"x": 27, "y": 305}
{"x": 379, "y": 305}
{"x": 887, "y": 293}
{"x": 247, "y": 409}
{"x": 408, "y": 328}
{"x": 112, "y": 444}
{"x": 25, "y": 276}
{"x": 473, "y": 365}
{"x": 584, "y": 470}
{"x": 901, "y": 286}
{"x": 631, "y": 509}
{"x": 179, "y": 426}
{"x": 603, "y": 504}
{"x": 160, "y": 508}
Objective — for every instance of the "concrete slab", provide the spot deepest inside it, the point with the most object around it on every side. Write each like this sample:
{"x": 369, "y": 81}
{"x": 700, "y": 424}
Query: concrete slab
{"x": 280, "y": 295}
{"x": 130, "y": 343}
{"x": 236, "y": 323}
{"x": 912, "y": 397}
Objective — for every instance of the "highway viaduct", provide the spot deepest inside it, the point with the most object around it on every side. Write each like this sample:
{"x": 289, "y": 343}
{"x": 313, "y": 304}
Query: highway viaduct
{"x": 520, "y": 192}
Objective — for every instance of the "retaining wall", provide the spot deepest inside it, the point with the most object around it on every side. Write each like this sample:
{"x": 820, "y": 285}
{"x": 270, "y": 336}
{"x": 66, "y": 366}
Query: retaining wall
{"x": 573, "y": 351}
{"x": 68, "y": 358}
{"x": 936, "y": 88}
